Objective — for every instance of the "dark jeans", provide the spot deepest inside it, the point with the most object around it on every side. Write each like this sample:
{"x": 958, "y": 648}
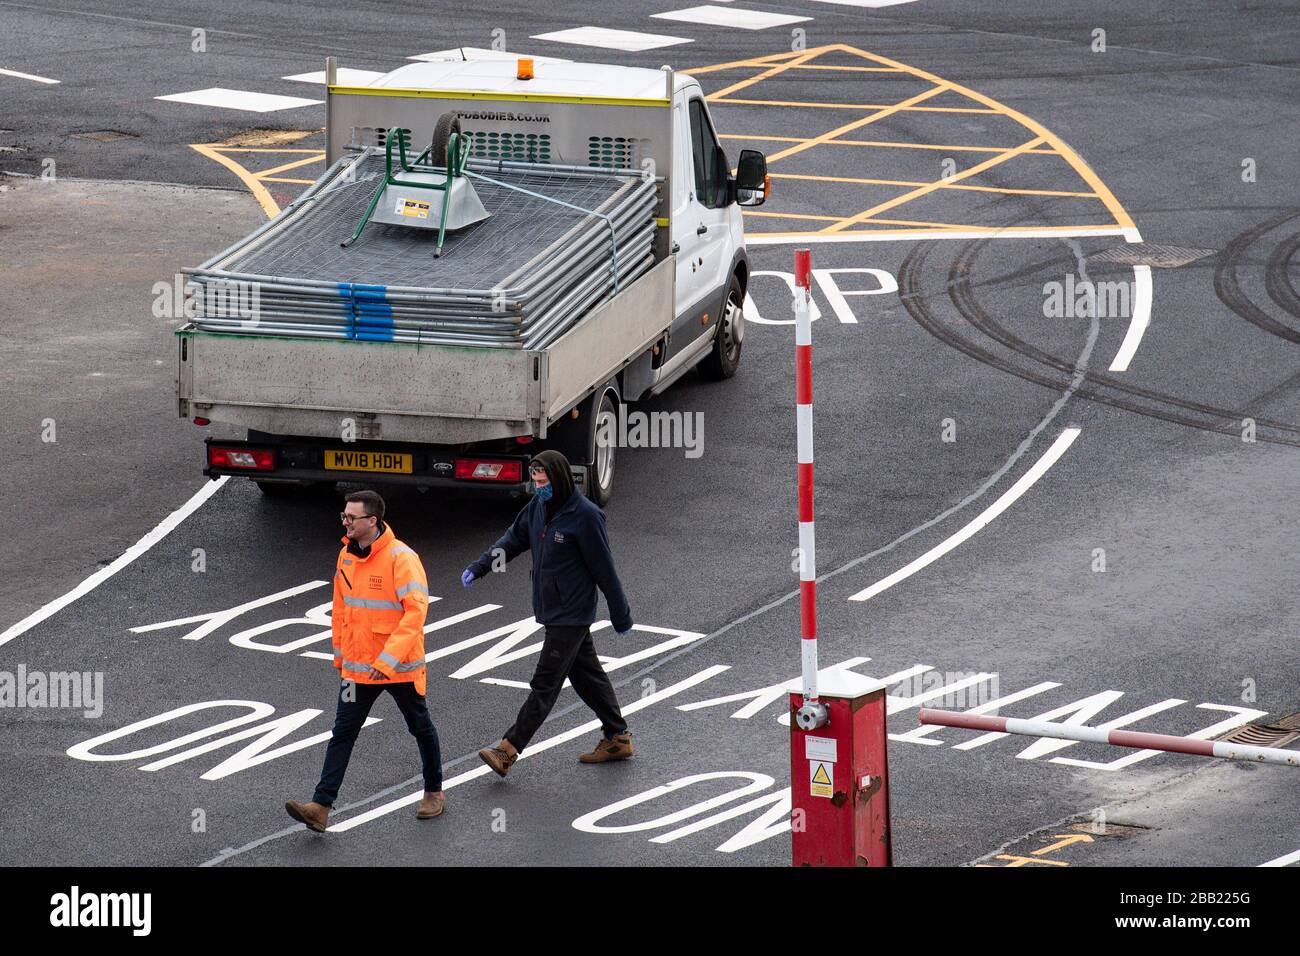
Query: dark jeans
{"x": 350, "y": 718}
{"x": 567, "y": 652}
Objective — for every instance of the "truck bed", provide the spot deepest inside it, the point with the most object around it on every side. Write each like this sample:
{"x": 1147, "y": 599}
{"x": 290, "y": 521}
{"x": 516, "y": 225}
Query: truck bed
{"x": 397, "y": 391}
{"x": 558, "y": 240}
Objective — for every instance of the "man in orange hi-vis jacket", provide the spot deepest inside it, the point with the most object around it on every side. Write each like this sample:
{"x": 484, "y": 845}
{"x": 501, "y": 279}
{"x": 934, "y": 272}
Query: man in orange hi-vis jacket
{"x": 380, "y": 601}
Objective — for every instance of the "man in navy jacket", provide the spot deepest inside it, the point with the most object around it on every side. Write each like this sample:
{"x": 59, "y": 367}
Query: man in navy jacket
{"x": 571, "y": 558}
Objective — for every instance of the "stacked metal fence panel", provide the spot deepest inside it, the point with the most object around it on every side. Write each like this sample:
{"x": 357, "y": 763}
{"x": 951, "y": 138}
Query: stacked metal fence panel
{"x": 517, "y": 280}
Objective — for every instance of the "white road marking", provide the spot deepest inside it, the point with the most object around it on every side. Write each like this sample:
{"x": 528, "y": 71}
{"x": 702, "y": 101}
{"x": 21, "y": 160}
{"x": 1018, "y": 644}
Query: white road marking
{"x": 520, "y": 684}
{"x": 159, "y": 532}
{"x": 533, "y": 749}
{"x": 711, "y": 15}
{"x": 346, "y": 76}
{"x": 1138, "y": 324}
{"x": 239, "y": 100}
{"x": 1006, "y": 500}
{"x": 866, "y": 3}
{"x": 28, "y": 76}
{"x": 1293, "y": 857}
{"x": 627, "y": 40}
{"x": 479, "y": 53}
{"x": 758, "y": 239}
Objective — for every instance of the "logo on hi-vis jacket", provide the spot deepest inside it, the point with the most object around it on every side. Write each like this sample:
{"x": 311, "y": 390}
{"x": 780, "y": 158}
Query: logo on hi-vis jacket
{"x": 376, "y": 581}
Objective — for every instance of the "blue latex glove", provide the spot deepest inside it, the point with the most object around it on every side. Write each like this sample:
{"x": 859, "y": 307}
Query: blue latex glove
{"x": 466, "y": 577}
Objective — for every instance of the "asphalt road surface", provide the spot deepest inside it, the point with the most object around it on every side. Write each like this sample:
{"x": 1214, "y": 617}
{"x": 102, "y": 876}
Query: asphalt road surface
{"x": 1090, "y": 518}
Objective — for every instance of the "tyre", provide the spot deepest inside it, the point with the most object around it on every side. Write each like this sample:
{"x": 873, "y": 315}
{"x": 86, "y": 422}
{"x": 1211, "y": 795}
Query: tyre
{"x": 724, "y": 358}
{"x": 447, "y": 124}
{"x": 600, "y": 476}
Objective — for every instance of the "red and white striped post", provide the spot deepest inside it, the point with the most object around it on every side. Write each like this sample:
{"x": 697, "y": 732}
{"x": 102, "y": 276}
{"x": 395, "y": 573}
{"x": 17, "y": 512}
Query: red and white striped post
{"x": 839, "y": 757}
{"x": 1117, "y": 738}
{"x": 813, "y": 713}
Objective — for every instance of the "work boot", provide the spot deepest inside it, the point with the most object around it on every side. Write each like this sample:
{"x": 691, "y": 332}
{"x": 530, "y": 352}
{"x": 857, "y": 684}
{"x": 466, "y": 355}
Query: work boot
{"x": 501, "y": 757}
{"x": 314, "y": 815}
{"x": 618, "y": 747}
{"x": 431, "y": 806}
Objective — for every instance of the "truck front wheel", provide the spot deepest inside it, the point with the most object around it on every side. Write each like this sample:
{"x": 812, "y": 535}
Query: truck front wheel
{"x": 724, "y": 358}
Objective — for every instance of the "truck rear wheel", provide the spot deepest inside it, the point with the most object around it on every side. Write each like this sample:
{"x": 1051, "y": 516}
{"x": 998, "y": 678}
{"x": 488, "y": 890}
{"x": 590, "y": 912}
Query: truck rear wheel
{"x": 600, "y": 476}
{"x": 724, "y": 358}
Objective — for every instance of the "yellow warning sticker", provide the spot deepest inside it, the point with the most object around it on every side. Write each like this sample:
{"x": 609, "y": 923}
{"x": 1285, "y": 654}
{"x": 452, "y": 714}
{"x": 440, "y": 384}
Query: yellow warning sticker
{"x": 413, "y": 208}
{"x": 822, "y": 774}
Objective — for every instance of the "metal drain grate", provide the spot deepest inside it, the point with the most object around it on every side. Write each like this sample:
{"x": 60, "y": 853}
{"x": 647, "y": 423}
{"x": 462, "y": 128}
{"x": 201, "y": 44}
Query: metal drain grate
{"x": 1284, "y": 731}
{"x": 1151, "y": 254}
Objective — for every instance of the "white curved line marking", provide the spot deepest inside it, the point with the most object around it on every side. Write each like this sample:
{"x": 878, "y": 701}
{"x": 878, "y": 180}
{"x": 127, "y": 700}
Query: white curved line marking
{"x": 1005, "y": 501}
{"x": 159, "y": 532}
{"x": 1141, "y": 319}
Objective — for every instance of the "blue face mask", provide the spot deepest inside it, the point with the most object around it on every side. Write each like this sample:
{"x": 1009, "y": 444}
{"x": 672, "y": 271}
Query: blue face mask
{"x": 545, "y": 492}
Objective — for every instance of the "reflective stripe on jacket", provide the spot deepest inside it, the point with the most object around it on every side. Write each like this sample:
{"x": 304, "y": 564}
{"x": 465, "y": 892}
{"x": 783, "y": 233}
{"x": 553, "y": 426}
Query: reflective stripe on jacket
{"x": 380, "y": 602}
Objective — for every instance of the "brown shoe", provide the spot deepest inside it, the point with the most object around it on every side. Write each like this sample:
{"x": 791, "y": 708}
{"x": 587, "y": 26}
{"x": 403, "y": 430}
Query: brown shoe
{"x": 619, "y": 747}
{"x": 501, "y": 757}
{"x": 431, "y": 806}
{"x": 314, "y": 815}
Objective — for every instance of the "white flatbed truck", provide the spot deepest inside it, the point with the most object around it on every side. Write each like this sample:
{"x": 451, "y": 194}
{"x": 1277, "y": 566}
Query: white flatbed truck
{"x": 329, "y": 410}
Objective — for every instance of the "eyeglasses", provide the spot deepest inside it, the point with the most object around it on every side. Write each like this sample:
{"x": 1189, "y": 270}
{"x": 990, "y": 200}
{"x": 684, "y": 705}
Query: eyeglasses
{"x": 537, "y": 471}
{"x": 347, "y": 518}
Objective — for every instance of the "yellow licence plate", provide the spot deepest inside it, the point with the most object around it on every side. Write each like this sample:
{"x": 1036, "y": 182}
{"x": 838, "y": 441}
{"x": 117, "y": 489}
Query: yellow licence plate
{"x": 393, "y": 463}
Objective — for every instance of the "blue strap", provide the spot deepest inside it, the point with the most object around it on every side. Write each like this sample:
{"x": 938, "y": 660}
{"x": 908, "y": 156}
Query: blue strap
{"x": 370, "y": 314}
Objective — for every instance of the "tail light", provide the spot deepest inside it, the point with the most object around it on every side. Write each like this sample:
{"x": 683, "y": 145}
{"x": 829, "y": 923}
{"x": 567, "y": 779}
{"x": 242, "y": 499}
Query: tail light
{"x": 478, "y": 469}
{"x": 247, "y": 459}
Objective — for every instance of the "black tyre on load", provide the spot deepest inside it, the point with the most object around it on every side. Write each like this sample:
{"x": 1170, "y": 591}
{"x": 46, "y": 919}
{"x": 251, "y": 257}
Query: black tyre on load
{"x": 447, "y": 124}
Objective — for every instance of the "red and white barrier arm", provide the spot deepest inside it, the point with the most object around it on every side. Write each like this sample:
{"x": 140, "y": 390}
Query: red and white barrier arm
{"x": 803, "y": 412}
{"x": 1118, "y": 738}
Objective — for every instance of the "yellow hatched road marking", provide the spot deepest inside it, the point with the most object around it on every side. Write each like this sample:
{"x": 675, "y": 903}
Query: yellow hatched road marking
{"x": 790, "y": 215}
{"x": 1045, "y": 144}
{"x": 752, "y": 61}
{"x": 759, "y": 78}
{"x": 888, "y": 144}
{"x": 931, "y": 187}
{"x": 948, "y": 184}
{"x": 849, "y": 69}
{"x": 858, "y": 106}
{"x": 857, "y": 124}
{"x": 259, "y": 149}
{"x": 259, "y": 191}
{"x": 306, "y": 161}
{"x": 1085, "y": 172}
{"x": 928, "y": 225}
{"x": 1026, "y": 860}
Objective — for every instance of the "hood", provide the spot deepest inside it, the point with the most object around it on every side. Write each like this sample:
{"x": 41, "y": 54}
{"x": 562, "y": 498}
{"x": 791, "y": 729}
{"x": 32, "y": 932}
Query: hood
{"x": 384, "y": 539}
{"x": 560, "y": 476}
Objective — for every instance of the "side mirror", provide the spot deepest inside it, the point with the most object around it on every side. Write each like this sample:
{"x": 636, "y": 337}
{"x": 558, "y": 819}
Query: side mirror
{"x": 751, "y": 178}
